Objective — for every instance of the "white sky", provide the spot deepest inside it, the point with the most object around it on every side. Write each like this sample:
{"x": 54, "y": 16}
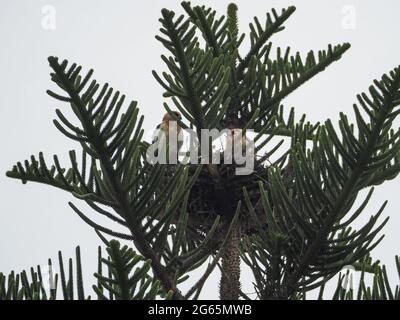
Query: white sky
{"x": 116, "y": 39}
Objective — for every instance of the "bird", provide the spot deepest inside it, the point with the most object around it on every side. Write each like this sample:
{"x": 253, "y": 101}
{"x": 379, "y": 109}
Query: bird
{"x": 169, "y": 129}
{"x": 239, "y": 149}
{"x": 236, "y": 139}
{"x": 166, "y": 120}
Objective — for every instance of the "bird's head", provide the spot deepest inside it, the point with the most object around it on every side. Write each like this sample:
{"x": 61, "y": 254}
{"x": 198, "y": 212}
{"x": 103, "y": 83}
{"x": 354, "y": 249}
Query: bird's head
{"x": 167, "y": 117}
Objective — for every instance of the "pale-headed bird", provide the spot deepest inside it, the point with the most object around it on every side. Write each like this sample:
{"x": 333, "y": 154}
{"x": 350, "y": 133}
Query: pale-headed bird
{"x": 166, "y": 121}
{"x": 168, "y": 134}
{"x": 236, "y": 137}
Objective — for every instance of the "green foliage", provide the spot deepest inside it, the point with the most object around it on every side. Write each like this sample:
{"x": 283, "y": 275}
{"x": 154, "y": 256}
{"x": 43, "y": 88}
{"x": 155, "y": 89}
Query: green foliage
{"x": 128, "y": 279}
{"x": 20, "y": 287}
{"x": 307, "y": 232}
{"x": 380, "y": 289}
{"x": 44, "y": 284}
{"x": 293, "y": 216}
{"x": 125, "y": 282}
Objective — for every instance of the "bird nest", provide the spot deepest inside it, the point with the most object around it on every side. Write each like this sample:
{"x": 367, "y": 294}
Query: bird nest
{"x": 206, "y": 201}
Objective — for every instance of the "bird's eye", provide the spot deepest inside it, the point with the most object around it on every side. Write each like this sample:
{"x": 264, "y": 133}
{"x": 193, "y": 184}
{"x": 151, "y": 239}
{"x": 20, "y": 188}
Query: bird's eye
{"x": 178, "y": 115}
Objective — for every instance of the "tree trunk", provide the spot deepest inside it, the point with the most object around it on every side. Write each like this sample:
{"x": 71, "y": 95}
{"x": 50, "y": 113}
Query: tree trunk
{"x": 229, "y": 287}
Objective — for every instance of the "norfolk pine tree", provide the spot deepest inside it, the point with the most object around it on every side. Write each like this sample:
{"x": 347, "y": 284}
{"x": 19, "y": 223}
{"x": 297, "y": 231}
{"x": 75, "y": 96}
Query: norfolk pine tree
{"x": 290, "y": 220}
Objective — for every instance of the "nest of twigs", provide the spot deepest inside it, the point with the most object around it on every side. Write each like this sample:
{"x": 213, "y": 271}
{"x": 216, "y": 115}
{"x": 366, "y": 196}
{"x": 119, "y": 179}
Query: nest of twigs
{"x": 206, "y": 201}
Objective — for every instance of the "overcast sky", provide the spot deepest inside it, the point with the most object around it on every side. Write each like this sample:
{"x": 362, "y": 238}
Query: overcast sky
{"x": 116, "y": 39}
